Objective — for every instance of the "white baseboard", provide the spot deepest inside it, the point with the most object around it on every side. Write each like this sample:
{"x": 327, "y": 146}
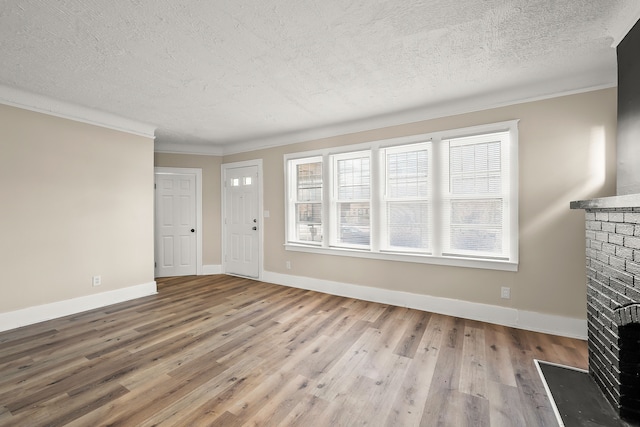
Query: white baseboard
{"x": 552, "y": 324}
{"x": 529, "y": 320}
{"x": 211, "y": 269}
{"x": 40, "y": 313}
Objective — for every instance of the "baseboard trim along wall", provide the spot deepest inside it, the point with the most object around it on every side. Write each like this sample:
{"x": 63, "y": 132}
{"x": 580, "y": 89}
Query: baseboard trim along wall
{"x": 211, "y": 269}
{"x": 40, "y": 313}
{"x": 529, "y": 320}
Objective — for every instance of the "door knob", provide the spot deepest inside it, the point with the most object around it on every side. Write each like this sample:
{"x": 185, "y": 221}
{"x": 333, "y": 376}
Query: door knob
{"x": 193, "y": 230}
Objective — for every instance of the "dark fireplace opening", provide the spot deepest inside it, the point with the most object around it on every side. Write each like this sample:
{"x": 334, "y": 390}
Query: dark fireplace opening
{"x": 629, "y": 342}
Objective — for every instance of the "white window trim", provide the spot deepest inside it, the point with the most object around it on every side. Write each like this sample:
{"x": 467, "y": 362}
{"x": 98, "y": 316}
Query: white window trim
{"x": 374, "y": 252}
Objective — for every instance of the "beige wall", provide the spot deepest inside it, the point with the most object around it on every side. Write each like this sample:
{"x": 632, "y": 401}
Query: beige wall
{"x": 77, "y": 202}
{"x": 211, "y": 225}
{"x": 566, "y": 152}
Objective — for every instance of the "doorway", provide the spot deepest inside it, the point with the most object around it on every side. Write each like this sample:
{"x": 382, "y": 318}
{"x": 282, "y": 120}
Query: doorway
{"x": 242, "y": 219}
{"x": 178, "y": 221}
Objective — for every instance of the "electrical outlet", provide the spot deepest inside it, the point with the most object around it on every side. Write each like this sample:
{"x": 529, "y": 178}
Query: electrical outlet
{"x": 97, "y": 280}
{"x": 288, "y": 265}
{"x": 505, "y": 292}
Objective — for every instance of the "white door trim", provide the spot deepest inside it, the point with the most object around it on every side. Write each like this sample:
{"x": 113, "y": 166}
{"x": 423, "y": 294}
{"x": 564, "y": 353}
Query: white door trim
{"x": 198, "y": 173}
{"x": 223, "y": 206}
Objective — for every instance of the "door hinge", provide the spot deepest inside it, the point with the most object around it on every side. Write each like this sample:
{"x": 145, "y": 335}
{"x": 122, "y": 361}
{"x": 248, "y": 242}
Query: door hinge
{"x": 155, "y": 265}
{"x": 154, "y": 186}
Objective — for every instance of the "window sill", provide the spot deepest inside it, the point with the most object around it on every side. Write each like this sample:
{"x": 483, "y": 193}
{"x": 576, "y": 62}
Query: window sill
{"x": 486, "y": 264}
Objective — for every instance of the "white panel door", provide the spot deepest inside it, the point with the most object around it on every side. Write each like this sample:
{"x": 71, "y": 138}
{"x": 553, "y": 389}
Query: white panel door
{"x": 241, "y": 221}
{"x": 175, "y": 225}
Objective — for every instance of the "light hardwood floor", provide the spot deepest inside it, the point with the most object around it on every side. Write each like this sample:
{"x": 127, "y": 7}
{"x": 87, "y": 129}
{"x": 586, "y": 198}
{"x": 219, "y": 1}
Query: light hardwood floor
{"x": 227, "y": 351}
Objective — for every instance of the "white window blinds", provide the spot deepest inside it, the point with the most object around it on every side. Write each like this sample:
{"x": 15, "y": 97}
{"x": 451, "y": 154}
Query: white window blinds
{"x": 352, "y": 199}
{"x": 406, "y": 204}
{"x": 475, "y": 196}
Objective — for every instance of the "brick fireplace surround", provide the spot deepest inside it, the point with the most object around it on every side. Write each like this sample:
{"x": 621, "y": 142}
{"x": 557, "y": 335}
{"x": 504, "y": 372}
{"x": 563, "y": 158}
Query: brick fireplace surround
{"x": 613, "y": 298}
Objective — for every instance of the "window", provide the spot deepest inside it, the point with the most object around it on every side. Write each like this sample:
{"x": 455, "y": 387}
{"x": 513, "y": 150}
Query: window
{"x": 406, "y": 201}
{"x": 351, "y": 199}
{"x": 306, "y": 200}
{"x": 447, "y": 198}
{"x": 475, "y": 198}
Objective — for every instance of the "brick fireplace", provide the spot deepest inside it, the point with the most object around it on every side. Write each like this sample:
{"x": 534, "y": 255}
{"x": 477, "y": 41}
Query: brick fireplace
{"x": 613, "y": 298}
{"x": 613, "y": 252}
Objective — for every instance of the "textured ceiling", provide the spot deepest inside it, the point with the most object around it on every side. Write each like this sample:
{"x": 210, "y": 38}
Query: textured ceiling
{"x": 245, "y": 72}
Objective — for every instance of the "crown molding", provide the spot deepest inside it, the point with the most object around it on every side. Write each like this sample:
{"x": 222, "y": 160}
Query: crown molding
{"x": 53, "y": 107}
{"x": 182, "y": 148}
{"x": 445, "y": 109}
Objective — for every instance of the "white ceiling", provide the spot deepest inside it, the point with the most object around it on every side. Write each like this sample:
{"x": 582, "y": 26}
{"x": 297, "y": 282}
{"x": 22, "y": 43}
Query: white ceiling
{"x": 229, "y": 75}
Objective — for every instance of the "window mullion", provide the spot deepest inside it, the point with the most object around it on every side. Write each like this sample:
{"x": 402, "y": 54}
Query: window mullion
{"x": 327, "y": 201}
{"x": 439, "y": 168}
{"x": 376, "y": 190}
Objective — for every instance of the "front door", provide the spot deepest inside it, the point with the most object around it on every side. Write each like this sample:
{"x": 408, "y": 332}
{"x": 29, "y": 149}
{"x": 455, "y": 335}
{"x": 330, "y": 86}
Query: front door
{"x": 241, "y": 221}
{"x": 175, "y": 224}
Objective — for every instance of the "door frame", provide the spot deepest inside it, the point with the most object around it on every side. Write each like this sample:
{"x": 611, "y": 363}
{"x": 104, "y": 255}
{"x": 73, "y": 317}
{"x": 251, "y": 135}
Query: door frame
{"x": 182, "y": 171}
{"x": 223, "y": 193}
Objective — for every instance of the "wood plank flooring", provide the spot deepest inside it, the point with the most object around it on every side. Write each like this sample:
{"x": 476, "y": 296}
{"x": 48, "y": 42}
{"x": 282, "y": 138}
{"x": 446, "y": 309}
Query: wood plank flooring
{"x": 227, "y": 351}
